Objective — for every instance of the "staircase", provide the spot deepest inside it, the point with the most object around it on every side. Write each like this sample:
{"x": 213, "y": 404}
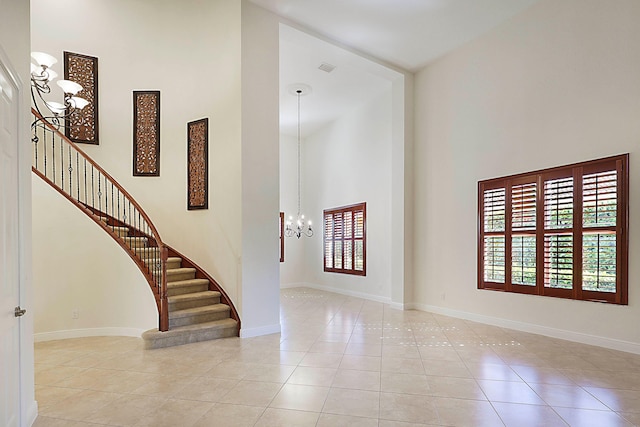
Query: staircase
{"x": 192, "y": 306}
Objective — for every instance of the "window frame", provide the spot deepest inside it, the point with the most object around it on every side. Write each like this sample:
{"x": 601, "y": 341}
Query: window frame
{"x": 358, "y": 207}
{"x": 577, "y": 171}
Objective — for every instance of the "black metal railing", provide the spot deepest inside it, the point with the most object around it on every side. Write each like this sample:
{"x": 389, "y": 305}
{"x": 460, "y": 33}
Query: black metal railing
{"x": 64, "y": 166}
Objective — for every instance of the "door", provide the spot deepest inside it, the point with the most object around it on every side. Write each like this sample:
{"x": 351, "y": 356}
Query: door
{"x": 9, "y": 253}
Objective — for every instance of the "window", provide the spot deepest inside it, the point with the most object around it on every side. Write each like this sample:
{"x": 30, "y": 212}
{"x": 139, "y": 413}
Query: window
{"x": 345, "y": 240}
{"x": 559, "y": 232}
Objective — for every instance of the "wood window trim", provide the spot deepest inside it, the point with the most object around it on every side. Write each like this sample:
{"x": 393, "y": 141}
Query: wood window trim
{"x": 330, "y": 240}
{"x": 578, "y": 230}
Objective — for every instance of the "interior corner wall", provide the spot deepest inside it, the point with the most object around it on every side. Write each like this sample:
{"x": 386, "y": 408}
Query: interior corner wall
{"x": 557, "y": 84}
{"x": 260, "y": 284}
{"x": 347, "y": 162}
{"x": 190, "y": 51}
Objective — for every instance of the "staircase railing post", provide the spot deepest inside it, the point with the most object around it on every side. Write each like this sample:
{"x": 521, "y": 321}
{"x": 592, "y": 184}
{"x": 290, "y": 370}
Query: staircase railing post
{"x": 164, "y": 301}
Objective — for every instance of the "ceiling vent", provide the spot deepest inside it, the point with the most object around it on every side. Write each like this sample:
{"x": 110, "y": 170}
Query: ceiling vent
{"x": 327, "y": 68}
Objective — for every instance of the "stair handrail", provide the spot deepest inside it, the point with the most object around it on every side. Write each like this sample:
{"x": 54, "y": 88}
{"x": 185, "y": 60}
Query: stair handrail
{"x": 154, "y": 269}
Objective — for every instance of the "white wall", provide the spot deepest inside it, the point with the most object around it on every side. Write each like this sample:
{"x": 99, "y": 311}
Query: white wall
{"x": 558, "y": 84}
{"x": 82, "y": 269}
{"x": 347, "y": 162}
{"x": 292, "y": 269}
{"x": 14, "y": 49}
{"x": 260, "y": 292}
{"x": 190, "y": 51}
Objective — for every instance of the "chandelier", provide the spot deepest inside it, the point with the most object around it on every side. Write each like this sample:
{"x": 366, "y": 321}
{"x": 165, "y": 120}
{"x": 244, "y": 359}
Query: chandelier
{"x": 302, "y": 226}
{"x": 41, "y": 76}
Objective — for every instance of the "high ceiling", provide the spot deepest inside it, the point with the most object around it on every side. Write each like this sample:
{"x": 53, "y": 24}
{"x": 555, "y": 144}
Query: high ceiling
{"x": 406, "y": 33}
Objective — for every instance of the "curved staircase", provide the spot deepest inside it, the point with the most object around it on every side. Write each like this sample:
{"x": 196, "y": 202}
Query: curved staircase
{"x": 192, "y": 306}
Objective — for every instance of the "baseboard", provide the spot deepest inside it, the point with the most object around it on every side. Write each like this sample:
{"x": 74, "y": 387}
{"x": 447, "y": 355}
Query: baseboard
{"x": 292, "y": 285}
{"x": 89, "y": 332}
{"x": 262, "y": 330}
{"x": 614, "y": 344}
{"x": 31, "y": 413}
{"x": 346, "y": 292}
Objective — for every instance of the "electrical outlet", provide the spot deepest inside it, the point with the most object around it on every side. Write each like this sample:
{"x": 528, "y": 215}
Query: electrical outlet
{"x": 75, "y": 313}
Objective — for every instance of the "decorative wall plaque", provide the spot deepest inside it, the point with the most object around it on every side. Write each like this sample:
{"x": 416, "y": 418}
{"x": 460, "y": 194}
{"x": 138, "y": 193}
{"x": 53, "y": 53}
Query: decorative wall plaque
{"x": 83, "y": 125}
{"x": 198, "y": 164}
{"x": 146, "y": 133}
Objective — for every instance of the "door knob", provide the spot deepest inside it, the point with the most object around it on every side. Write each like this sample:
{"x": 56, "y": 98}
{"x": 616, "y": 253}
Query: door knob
{"x": 19, "y": 311}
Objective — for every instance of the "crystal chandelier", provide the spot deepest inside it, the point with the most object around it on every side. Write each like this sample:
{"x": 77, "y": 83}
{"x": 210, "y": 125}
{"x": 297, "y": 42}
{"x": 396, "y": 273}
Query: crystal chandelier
{"x": 41, "y": 76}
{"x": 302, "y": 226}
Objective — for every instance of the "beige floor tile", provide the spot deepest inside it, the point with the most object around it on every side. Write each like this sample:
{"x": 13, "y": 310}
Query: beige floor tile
{"x": 401, "y": 365}
{"x": 229, "y": 369}
{"x": 617, "y": 400}
{"x": 459, "y": 388}
{"x": 358, "y": 403}
{"x": 632, "y": 417}
{"x": 206, "y": 389}
{"x": 127, "y": 410}
{"x": 510, "y": 392}
{"x": 408, "y": 408}
{"x": 519, "y": 415}
{"x": 360, "y": 363}
{"x": 270, "y": 373}
{"x": 490, "y": 371}
{"x": 273, "y": 417}
{"x": 163, "y": 385}
{"x": 252, "y": 393}
{"x": 328, "y": 347}
{"x": 228, "y": 415}
{"x": 53, "y": 374}
{"x": 357, "y": 380}
{"x": 404, "y": 352}
{"x": 306, "y": 375}
{"x": 80, "y": 406}
{"x": 42, "y": 421}
{"x": 321, "y": 360}
{"x": 175, "y": 412}
{"x": 592, "y": 418}
{"x": 460, "y": 412}
{"x": 438, "y": 351}
{"x": 541, "y": 375}
{"x": 567, "y": 396}
{"x": 404, "y": 383}
{"x": 364, "y": 349}
{"x": 300, "y": 397}
{"x": 388, "y": 423}
{"x": 332, "y": 420}
{"x": 50, "y": 396}
{"x": 446, "y": 368}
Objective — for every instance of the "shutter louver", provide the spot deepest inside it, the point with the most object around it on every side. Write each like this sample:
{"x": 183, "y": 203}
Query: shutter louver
{"x": 558, "y": 261}
{"x": 599, "y": 195}
{"x": 523, "y": 260}
{"x": 599, "y": 262}
{"x": 523, "y": 207}
{"x": 494, "y": 262}
{"x": 558, "y": 203}
{"x": 494, "y": 206}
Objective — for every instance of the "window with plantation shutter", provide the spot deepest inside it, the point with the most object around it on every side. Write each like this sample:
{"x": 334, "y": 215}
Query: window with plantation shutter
{"x": 557, "y": 232}
{"x": 345, "y": 239}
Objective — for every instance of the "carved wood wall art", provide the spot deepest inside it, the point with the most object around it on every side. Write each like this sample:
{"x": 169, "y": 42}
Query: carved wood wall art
{"x": 198, "y": 164}
{"x": 83, "y": 125}
{"x": 146, "y": 133}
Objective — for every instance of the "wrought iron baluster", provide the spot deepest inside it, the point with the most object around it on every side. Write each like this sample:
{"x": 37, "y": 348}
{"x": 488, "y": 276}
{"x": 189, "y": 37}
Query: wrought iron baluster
{"x": 62, "y": 165}
{"x": 45, "y": 154}
{"x": 53, "y": 150}
{"x": 78, "y": 175}
{"x": 86, "y": 199}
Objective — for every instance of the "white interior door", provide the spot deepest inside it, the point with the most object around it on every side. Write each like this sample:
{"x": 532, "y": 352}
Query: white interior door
{"x": 9, "y": 254}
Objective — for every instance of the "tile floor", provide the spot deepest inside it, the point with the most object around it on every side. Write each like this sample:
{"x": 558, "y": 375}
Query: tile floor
{"x": 340, "y": 361}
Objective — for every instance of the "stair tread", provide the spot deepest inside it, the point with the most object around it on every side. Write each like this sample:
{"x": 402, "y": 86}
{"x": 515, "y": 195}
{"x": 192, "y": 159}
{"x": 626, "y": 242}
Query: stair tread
{"x": 193, "y": 296}
{"x": 213, "y": 308}
{"x": 178, "y": 330}
{"x": 188, "y": 282}
{"x": 180, "y": 270}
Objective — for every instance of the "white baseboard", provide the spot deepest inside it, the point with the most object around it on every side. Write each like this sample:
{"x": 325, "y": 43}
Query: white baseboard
{"x": 579, "y": 337}
{"x": 262, "y": 330}
{"x": 89, "y": 332}
{"x": 31, "y": 413}
{"x": 341, "y": 291}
